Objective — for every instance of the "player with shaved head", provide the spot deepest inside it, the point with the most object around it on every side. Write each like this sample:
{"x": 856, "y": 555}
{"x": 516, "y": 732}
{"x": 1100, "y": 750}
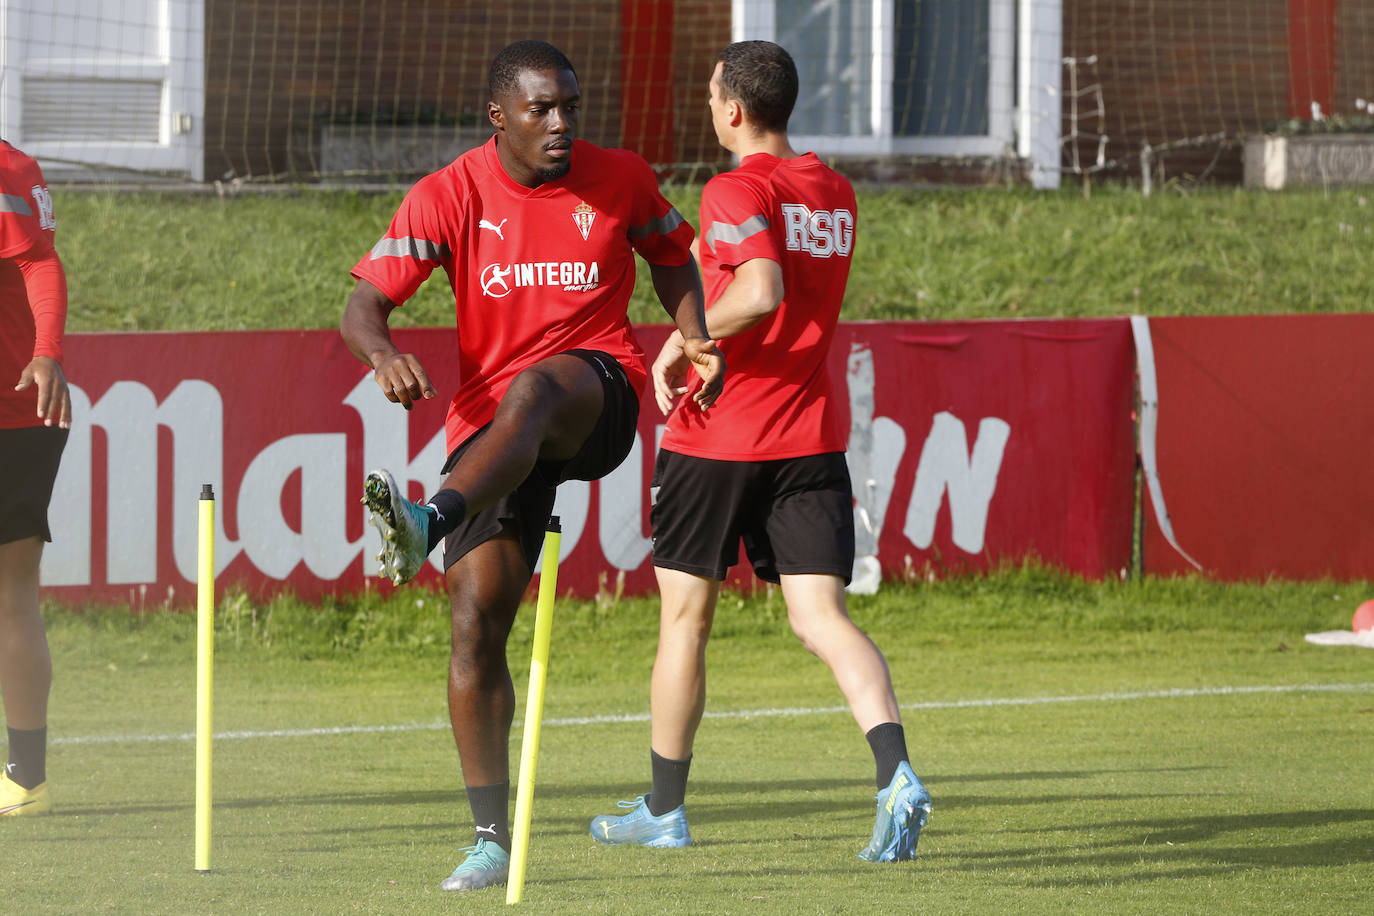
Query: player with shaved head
{"x": 537, "y": 231}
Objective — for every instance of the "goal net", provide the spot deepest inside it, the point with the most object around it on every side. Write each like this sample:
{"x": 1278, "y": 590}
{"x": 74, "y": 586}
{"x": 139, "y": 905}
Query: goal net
{"x": 1174, "y": 87}
{"x": 359, "y": 90}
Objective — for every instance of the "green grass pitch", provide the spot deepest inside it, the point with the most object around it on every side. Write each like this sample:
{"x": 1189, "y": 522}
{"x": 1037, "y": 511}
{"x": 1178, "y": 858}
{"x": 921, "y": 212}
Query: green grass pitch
{"x": 1143, "y": 747}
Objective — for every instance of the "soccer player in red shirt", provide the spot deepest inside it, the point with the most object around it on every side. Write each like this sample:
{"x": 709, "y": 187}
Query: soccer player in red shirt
{"x": 537, "y": 232}
{"x": 776, "y": 238}
{"x": 35, "y": 415}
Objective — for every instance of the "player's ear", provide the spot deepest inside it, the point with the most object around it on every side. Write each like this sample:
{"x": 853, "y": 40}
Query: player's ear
{"x": 496, "y": 116}
{"x": 734, "y": 112}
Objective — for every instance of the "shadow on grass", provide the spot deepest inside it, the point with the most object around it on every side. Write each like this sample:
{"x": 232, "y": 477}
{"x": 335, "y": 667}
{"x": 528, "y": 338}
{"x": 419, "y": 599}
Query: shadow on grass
{"x": 1036, "y": 775}
{"x": 710, "y": 800}
{"x": 1158, "y": 848}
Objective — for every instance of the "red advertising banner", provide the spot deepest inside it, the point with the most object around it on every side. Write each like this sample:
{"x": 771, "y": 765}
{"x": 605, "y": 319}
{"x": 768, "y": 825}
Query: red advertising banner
{"x": 970, "y": 442}
{"x": 990, "y": 441}
{"x": 1265, "y": 446}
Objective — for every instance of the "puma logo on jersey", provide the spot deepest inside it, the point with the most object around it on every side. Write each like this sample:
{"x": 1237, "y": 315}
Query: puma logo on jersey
{"x": 494, "y": 227}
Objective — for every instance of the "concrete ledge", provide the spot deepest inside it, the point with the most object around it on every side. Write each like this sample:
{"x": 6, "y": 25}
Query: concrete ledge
{"x": 1309, "y": 161}
{"x": 411, "y": 148}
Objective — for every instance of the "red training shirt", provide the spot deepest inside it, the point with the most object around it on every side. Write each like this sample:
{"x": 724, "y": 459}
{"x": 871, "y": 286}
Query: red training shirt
{"x": 534, "y": 271}
{"x": 33, "y": 289}
{"x": 777, "y": 401}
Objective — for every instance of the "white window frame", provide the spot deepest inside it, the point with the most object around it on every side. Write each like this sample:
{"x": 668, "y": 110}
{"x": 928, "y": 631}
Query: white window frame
{"x": 756, "y": 19}
{"x": 177, "y": 61}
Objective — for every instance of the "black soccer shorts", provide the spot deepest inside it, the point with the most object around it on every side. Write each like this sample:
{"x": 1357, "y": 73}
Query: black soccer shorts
{"x": 529, "y": 506}
{"x": 794, "y": 515}
{"x": 29, "y": 459}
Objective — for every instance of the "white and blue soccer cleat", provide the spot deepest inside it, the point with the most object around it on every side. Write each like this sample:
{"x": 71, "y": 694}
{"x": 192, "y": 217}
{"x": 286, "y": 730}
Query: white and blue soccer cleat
{"x": 642, "y": 828}
{"x": 486, "y": 864}
{"x": 404, "y": 527}
{"x": 903, "y": 808}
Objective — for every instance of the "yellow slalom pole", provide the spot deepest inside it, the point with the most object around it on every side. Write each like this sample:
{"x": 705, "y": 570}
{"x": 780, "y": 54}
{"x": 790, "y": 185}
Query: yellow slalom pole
{"x": 205, "y": 673}
{"x": 534, "y": 712}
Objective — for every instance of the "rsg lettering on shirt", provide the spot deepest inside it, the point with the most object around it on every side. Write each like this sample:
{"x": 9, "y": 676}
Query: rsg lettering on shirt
{"x": 500, "y": 280}
{"x": 821, "y": 233}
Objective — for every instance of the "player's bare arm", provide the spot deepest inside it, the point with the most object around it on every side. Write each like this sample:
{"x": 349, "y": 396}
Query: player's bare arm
{"x": 753, "y": 295}
{"x": 364, "y": 328}
{"x": 679, "y": 289}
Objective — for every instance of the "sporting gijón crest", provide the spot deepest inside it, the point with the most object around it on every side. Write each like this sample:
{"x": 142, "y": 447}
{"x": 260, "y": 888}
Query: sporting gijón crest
{"x": 583, "y": 214}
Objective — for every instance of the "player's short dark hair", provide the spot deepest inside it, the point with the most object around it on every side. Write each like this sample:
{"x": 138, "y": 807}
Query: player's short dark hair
{"x": 520, "y": 56}
{"x": 761, "y": 77}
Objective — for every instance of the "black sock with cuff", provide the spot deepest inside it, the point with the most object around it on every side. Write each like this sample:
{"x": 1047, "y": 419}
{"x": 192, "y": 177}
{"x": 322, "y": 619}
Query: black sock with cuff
{"x": 28, "y": 756}
{"x": 889, "y": 749}
{"x": 448, "y": 510}
{"x": 670, "y": 783}
{"x": 490, "y": 812}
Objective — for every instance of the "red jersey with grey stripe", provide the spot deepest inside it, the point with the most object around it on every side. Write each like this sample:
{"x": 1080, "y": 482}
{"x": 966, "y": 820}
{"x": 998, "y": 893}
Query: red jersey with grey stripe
{"x": 777, "y": 400}
{"x": 534, "y": 271}
{"x": 33, "y": 289}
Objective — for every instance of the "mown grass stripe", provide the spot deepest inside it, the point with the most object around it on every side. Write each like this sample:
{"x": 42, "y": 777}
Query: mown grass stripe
{"x": 775, "y": 712}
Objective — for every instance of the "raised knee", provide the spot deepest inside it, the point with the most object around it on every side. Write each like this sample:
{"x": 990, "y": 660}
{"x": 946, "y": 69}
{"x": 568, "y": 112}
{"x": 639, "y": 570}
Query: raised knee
{"x": 530, "y": 387}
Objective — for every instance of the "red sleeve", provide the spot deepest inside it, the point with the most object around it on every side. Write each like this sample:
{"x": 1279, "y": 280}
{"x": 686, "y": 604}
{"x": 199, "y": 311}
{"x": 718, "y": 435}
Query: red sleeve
{"x": 734, "y": 222}
{"x": 415, "y": 243}
{"x": 658, "y": 232}
{"x": 46, "y": 285}
{"x": 20, "y": 228}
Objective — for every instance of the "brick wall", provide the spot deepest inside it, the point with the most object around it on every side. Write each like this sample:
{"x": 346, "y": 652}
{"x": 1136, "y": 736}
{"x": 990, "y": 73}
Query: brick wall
{"x": 1355, "y": 54}
{"x": 1173, "y": 73}
{"x": 276, "y": 72}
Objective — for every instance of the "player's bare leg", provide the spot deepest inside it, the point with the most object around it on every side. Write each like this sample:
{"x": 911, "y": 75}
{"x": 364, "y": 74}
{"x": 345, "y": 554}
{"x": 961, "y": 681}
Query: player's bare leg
{"x": 677, "y": 699}
{"x": 816, "y": 610}
{"x": 547, "y": 414}
{"x": 677, "y": 693}
{"x": 25, "y": 679}
{"x": 25, "y": 664}
{"x": 485, "y": 588}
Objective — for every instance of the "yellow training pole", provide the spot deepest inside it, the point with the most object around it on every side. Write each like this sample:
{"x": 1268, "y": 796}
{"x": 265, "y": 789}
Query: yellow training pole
{"x": 205, "y": 673}
{"x": 534, "y": 712}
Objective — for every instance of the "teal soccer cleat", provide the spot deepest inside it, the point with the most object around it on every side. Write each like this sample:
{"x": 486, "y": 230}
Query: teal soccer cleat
{"x": 642, "y": 828}
{"x": 486, "y": 864}
{"x": 902, "y": 811}
{"x": 404, "y": 527}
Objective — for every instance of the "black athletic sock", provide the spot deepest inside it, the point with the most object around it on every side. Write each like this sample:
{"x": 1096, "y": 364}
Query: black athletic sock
{"x": 28, "y": 756}
{"x": 448, "y": 510}
{"x": 889, "y": 749}
{"x": 490, "y": 806}
{"x": 670, "y": 783}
